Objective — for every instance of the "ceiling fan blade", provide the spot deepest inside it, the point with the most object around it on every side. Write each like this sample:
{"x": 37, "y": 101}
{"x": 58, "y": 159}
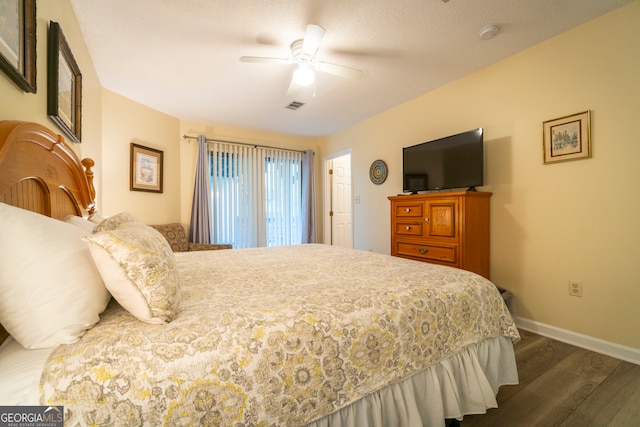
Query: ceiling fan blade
{"x": 312, "y": 38}
{"x": 265, "y": 59}
{"x": 338, "y": 70}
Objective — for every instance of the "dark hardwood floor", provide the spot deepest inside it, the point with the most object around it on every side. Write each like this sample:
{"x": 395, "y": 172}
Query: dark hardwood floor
{"x": 565, "y": 386}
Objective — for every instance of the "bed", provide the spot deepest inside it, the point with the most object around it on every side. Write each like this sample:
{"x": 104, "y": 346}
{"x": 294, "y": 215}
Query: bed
{"x": 119, "y": 330}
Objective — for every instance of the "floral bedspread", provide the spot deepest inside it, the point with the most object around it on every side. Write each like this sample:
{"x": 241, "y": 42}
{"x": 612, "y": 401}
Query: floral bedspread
{"x": 272, "y": 337}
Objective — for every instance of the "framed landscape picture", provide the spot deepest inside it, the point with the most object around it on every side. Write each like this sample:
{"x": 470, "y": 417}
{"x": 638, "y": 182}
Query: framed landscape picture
{"x": 567, "y": 138}
{"x": 18, "y": 42}
{"x": 146, "y": 169}
{"x": 64, "y": 85}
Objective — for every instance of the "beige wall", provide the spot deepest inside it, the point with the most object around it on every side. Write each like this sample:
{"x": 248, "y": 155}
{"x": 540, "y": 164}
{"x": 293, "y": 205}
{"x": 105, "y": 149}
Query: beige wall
{"x": 125, "y": 121}
{"x": 109, "y": 123}
{"x": 18, "y": 105}
{"x": 549, "y": 223}
{"x": 188, "y": 150}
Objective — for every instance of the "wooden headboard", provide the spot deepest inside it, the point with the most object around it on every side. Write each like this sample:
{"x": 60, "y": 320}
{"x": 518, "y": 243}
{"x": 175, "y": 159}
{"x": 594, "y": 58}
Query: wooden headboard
{"x": 41, "y": 173}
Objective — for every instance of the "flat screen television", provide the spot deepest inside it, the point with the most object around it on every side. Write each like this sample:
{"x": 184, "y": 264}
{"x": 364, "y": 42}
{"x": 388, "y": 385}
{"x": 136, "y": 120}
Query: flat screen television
{"x": 456, "y": 161}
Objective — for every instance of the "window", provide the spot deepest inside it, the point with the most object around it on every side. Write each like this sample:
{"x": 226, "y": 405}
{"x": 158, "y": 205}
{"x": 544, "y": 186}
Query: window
{"x": 256, "y": 195}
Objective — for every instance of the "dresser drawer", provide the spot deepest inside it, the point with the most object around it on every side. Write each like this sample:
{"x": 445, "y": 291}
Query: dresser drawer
{"x": 408, "y": 210}
{"x": 409, "y": 228}
{"x": 446, "y": 253}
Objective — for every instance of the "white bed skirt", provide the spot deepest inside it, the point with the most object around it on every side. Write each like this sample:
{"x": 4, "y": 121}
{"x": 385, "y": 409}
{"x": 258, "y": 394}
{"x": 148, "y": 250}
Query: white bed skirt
{"x": 465, "y": 383}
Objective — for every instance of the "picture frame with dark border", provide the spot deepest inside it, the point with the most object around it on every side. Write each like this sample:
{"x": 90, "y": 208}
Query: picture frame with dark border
{"x": 567, "y": 138}
{"x": 146, "y": 172}
{"x": 64, "y": 85}
{"x": 18, "y": 43}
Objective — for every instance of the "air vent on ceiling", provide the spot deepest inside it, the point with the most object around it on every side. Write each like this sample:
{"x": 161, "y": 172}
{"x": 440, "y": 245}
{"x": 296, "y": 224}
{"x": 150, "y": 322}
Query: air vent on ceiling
{"x": 294, "y": 105}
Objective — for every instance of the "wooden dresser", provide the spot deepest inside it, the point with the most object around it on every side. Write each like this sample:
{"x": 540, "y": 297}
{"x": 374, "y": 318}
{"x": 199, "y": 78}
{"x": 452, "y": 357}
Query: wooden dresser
{"x": 448, "y": 228}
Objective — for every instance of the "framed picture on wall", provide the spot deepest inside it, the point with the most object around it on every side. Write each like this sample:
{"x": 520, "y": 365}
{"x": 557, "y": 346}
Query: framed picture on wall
{"x": 567, "y": 138}
{"x": 146, "y": 169}
{"x": 18, "y": 42}
{"x": 64, "y": 85}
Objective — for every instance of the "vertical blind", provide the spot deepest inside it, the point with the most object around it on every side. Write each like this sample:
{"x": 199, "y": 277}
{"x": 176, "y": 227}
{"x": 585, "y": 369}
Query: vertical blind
{"x": 256, "y": 195}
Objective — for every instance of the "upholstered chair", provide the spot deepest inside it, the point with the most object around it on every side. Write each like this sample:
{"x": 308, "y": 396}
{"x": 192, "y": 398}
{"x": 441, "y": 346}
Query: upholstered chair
{"x": 177, "y": 238}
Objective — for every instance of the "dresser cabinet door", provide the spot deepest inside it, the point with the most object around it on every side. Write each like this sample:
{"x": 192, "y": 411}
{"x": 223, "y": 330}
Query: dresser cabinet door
{"x": 441, "y": 218}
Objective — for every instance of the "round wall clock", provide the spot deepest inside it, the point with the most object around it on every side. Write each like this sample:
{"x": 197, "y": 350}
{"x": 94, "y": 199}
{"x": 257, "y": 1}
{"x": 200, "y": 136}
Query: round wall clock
{"x": 378, "y": 172}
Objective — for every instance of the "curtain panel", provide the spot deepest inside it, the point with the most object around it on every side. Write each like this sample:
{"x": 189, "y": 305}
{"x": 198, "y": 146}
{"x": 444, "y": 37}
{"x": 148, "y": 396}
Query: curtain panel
{"x": 308, "y": 199}
{"x": 200, "y": 227}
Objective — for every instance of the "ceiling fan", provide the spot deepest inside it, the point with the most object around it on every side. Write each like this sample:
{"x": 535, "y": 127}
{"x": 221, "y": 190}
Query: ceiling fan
{"x": 303, "y": 53}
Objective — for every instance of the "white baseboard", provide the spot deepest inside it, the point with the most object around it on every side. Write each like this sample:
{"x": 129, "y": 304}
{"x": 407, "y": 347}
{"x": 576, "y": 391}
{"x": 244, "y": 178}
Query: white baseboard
{"x": 618, "y": 351}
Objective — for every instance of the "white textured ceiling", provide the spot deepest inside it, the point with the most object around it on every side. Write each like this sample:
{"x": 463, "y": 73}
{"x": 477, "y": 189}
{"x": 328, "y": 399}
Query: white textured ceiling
{"x": 181, "y": 56}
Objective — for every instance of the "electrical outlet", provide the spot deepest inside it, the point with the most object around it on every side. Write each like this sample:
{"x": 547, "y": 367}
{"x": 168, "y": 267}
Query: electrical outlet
{"x": 575, "y": 288}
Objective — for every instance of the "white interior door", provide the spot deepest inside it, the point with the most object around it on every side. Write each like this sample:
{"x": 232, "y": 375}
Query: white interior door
{"x": 340, "y": 209}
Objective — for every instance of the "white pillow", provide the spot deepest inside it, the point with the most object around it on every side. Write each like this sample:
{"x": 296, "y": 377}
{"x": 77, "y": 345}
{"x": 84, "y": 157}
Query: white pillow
{"x": 139, "y": 269}
{"x": 51, "y": 290}
{"x": 96, "y": 218}
{"x": 85, "y": 225}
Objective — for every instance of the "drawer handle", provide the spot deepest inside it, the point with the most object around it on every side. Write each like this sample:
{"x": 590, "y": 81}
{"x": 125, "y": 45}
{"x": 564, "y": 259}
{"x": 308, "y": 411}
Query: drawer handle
{"x": 407, "y": 228}
{"x": 423, "y": 250}
{"x": 427, "y": 219}
{"x": 407, "y": 210}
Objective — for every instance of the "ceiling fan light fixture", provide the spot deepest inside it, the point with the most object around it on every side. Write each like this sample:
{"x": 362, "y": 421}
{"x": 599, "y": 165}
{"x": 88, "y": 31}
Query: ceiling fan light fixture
{"x": 304, "y": 76}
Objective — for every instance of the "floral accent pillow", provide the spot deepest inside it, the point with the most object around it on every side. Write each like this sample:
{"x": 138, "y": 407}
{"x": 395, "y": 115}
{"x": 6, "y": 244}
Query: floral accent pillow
{"x": 138, "y": 267}
{"x": 115, "y": 221}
